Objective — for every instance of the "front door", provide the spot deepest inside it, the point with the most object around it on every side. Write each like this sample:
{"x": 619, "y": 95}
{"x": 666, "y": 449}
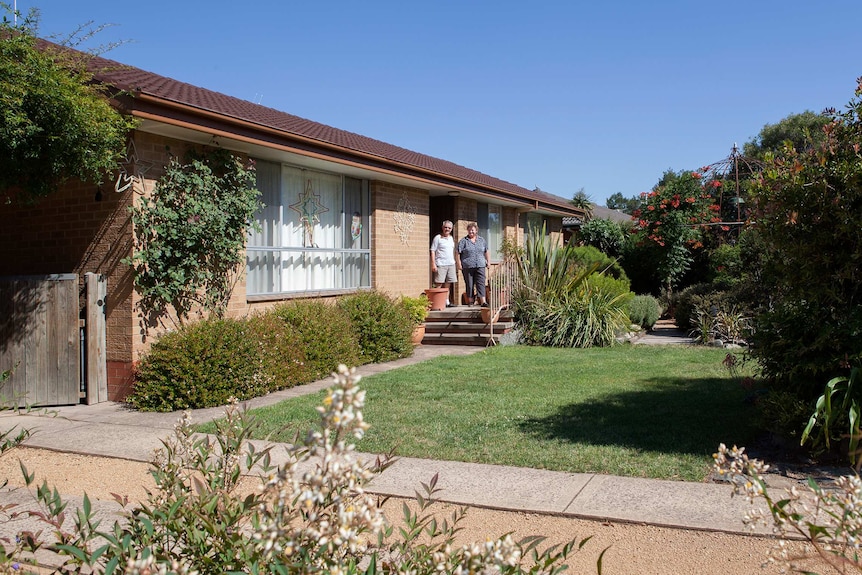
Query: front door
{"x": 441, "y": 208}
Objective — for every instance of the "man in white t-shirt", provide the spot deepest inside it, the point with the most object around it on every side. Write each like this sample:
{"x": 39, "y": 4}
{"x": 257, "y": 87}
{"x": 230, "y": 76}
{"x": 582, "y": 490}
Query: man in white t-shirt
{"x": 443, "y": 257}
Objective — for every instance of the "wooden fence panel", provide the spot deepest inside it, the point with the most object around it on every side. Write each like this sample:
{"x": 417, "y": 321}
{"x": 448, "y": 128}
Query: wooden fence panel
{"x": 40, "y": 340}
{"x": 95, "y": 343}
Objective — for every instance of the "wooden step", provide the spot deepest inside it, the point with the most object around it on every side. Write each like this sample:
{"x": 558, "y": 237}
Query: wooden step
{"x": 463, "y": 325}
{"x": 459, "y": 339}
{"x": 467, "y": 327}
{"x": 464, "y": 313}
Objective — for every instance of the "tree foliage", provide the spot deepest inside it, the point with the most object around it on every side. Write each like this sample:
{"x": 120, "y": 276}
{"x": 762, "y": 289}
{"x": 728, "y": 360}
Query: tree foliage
{"x": 583, "y": 201}
{"x": 808, "y": 210}
{"x": 619, "y": 202}
{"x": 191, "y": 233}
{"x": 801, "y": 130}
{"x": 671, "y": 220}
{"x": 606, "y": 235}
{"x": 56, "y": 123}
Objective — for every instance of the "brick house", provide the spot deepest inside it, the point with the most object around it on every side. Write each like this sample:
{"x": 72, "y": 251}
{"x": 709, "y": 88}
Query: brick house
{"x": 377, "y": 206}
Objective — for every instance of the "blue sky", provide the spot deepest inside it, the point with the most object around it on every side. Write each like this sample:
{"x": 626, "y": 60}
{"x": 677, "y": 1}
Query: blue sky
{"x": 562, "y": 95}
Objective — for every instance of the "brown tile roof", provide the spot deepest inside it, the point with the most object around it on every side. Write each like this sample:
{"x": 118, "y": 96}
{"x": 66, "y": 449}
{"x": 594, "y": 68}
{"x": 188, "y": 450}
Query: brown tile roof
{"x": 140, "y": 81}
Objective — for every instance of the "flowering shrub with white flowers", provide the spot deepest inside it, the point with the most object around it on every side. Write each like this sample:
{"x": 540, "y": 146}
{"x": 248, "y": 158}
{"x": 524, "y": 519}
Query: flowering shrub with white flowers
{"x": 829, "y": 520}
{"x": 310, "y": 514}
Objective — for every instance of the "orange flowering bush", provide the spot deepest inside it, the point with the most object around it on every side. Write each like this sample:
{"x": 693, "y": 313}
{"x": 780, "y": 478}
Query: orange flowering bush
{"x": 671, "y": 218}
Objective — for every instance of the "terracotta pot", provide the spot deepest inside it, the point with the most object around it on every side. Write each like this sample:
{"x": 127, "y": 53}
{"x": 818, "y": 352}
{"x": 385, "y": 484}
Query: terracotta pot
{"x": 437, "y": 297}
{"x": 418, "y": 334}
{"x": 486, "y": 314}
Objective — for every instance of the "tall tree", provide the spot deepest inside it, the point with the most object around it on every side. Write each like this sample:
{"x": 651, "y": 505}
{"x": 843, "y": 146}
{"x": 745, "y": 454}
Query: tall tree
{"x": 671, "y": 219}
{"x": 619, "y": 202}
{"x": 584, "y": 202}
{"x": 801, "y": 130}
{"x": 56, "y": 123}
{"x": 808, "y": 213}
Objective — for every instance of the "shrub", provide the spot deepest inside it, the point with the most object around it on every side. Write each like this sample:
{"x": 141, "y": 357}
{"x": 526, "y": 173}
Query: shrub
{"x": 10, "y": 438}
{"x": 610, "y": 285}
{"x": 808, "y": 213}
{"x": 796, "y": 343}
{"x": 310, "y": 515}
{"x": 702, "y": 325}
{"x": 698, "y": 296}
{"x": 206, "y": 363}
{"x": 282, "y": 355}
{"x": 589, "y": 317}
{"x": 416, "y": 308}
{"x": 201, "y": 365}
{"x": 731, "y": 324}
{"x": 783, "y": 413}
{"x": 725, "y": 263}
{"x": 382, "y": 327}
{"x": 605, "y": 234}
{"x": 320, "y": 333}
{"x": 827, "y": 519}
{"x": 562, "y": 302}
{"x": 589, "y": 256}
{"x": 644, "y": 310}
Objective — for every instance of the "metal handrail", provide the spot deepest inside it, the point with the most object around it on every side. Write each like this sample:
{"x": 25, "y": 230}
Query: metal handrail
{"x": 503, "y": 279}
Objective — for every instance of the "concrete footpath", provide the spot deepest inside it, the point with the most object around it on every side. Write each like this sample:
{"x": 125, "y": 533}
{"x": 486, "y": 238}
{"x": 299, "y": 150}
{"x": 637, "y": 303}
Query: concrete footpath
{"x": 112, "y": 430}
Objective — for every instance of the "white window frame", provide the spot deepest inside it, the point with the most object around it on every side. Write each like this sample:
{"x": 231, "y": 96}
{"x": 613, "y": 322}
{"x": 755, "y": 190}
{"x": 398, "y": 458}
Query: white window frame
{"x": 329, "y": 255}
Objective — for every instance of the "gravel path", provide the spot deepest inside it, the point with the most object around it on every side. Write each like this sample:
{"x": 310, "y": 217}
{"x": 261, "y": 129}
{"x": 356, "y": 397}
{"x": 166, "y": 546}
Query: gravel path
{"x": 633, "y": 549}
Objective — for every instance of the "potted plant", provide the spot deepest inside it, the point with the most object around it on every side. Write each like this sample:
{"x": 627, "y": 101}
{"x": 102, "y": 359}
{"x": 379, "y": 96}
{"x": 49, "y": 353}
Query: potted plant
{"x": 417, "y": 310}
{"x": 437, "y": 297}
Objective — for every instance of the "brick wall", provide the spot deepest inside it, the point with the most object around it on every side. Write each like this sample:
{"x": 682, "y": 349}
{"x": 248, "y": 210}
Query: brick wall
{"x": 87, "y": 228}
{"x": 80, "y": 228}
{"x": 399, "y": 265}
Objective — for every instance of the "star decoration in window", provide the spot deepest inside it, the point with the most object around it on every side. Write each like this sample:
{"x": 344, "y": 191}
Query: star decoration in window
{"x": 309, "y": 207}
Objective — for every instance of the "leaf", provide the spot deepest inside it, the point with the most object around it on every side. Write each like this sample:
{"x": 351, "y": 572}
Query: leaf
{"x": 79, "y": 554}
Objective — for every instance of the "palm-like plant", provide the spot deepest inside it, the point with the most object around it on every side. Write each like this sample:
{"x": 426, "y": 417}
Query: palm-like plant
{"x": 556, "y": 305}
{"x": 584, "y": 202}
{"x": 549, "y": 270}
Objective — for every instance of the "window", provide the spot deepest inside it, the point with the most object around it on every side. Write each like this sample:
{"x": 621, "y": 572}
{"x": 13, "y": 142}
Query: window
{"x": 314, "y": 232}
{"x": 534, "y": 221}
{"x": 489, "y": 217}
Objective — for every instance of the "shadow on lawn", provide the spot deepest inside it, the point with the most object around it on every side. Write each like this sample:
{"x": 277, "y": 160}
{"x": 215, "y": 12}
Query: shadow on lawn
{"x": 671, "y": 415}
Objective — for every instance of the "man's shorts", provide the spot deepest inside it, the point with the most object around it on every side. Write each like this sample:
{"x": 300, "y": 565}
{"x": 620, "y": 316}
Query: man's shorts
{"x": 445, "y": 275}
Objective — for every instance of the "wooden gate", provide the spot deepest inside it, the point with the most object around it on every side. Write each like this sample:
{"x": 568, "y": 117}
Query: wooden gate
{"x": 41, "y": 341}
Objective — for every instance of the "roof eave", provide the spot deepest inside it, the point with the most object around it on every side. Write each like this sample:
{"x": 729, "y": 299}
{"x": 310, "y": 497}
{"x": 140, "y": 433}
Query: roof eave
{"x": 154, "y": 108}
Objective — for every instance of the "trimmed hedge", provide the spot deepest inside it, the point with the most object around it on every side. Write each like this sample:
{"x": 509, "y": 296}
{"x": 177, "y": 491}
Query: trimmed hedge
{"x": 204, "y": 364}
{"x": 322, "y": 331}
{"x": 382, "y": 327}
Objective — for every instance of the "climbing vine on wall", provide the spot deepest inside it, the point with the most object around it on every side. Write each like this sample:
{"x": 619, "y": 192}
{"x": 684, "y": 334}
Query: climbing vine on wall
{"x": 191, "y": 232}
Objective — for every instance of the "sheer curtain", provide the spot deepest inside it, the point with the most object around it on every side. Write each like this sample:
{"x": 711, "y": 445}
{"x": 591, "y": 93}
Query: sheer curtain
{"x": 312, "y": 219}
{"x": 261, "y": 277}
{"x": 357, "y": 270}
{"x": 495, "y": 231}
{"x": 314, "y": 232}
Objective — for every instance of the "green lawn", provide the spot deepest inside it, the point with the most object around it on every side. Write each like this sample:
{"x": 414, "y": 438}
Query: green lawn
{"x": 628, "y": 410}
